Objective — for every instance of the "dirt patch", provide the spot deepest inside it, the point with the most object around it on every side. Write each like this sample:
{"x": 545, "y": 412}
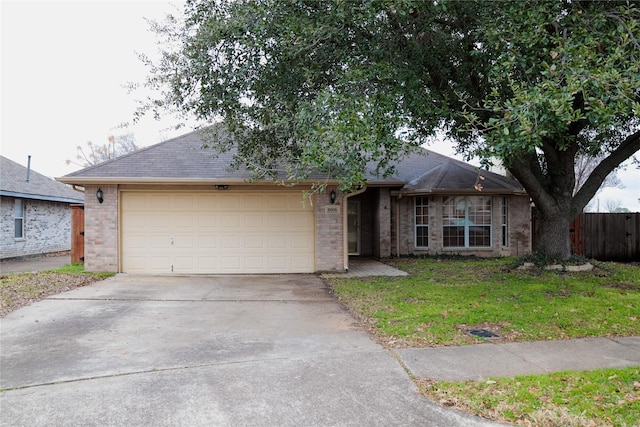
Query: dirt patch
{"x": 19, "y": 290}
{"x": 503, "y": 333}
{"x": 625, "y": 286}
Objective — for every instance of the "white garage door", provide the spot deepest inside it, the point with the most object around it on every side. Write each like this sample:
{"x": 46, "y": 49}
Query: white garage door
{"x": 217, "y": 233}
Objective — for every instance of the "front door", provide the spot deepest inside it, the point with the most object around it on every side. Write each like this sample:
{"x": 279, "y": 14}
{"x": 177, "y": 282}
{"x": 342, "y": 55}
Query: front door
{"x": 353, "y": 227}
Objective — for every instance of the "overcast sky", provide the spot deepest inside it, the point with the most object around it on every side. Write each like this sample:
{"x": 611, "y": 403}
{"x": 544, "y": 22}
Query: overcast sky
{"x": 63, "y": 70}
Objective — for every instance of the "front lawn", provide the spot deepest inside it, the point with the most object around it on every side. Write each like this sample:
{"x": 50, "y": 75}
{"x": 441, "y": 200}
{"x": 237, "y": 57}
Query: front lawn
{"x": 604, "y": 397}
{"x": 444, "y": 298}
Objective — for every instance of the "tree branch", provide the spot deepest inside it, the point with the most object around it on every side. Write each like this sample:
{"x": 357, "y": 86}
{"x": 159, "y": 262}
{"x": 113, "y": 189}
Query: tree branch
{"x": 625, "y": 150}
{"x": 527, "y": 171}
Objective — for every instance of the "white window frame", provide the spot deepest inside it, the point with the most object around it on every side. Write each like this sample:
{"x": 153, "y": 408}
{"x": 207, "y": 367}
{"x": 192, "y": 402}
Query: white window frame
{"x": 457, "y": 212}
{"x": 19, "y": 216}
{"x": 421, "y": 221}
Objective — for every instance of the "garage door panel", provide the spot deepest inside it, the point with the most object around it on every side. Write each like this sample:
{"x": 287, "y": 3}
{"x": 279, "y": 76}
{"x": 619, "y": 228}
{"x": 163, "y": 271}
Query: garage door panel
{"x": 144, "y": 220}
{"x": 137, "y": 242}
{"x": 301, "y": 242}
{"x": 231, "y": 263}
{"x": 231, "y": 242}
{"x": 155, "y": 202}
{"x": 276, "y": 242}
{"x": 207, "y": 263}
{"x": 217, "y": 233}
{"x": 254, "y": 242}
{"x": 184, "y": 220}
{"x": 300, "y": 263}
{"x": 254, "y": 263}
{"x": 207, "y": 220}
{"x": 137, "y": 263}
{"x": 183, "y": 263}
{"x": 183, "y": 242}
{"x": 277, "y": 202}
{"x": 207, "y": 242}
{"x": 231, "y": 202}
{"x": 254, "y": 220}
{"x": 184, "y": 202}
{"x": 254, "y": 203}
{"x": 206, "y": 202}
{"x": 157, "y": 242}
{"x": 159, "y": 263}
{"x": 232, "y": 221}
{"x": 299, "y": 220}
{"x": 275, "y": 221}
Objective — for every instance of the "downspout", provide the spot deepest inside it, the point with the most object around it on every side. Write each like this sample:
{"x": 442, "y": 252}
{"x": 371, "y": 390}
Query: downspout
{"x": 398, "y": 197}
{"x": 28, "y": 166}
{"x": 78, "y": 188}
{"x": 345, "y": 225}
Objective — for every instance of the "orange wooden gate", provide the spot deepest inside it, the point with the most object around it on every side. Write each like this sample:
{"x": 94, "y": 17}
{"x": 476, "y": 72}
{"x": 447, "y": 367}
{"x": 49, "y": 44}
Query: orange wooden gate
{"x": 77, "y": 233}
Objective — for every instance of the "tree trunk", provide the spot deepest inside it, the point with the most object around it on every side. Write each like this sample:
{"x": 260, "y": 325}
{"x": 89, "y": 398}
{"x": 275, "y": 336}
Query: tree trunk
{"x": 553, "y": 239}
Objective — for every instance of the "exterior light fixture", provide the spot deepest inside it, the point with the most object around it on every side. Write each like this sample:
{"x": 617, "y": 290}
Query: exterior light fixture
{"x": 100, "y": 195}
{"x": 222, "y": 187}
{"x": 332, "y": 197}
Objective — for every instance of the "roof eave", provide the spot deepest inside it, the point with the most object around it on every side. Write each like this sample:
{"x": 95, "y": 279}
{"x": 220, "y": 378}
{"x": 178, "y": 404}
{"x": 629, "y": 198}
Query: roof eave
{"x": 385, "y": 183}
{"x": 17, "y": 195}
{"x": 466, "y": 192}
{"x": 183, "y": 181}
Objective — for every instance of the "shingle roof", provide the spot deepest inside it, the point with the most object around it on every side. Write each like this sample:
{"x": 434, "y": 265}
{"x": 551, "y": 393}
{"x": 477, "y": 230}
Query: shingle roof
{"x": 444, "y": 174}
{"x": 13, "y": 183}
{"x": 182, "y": 159}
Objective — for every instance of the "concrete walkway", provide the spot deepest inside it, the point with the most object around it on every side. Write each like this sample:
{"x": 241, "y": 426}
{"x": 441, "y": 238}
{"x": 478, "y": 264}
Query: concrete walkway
{"x": 481, "y": 361}
{"x": 33, "y": 264}
{"x": 367, "y": 267}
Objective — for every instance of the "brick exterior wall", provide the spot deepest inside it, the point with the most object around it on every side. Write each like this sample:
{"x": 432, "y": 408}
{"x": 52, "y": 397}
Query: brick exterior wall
{"x": 101, "y": 229}
{"x": 519, "y": 226}
{"x": 387, "y": 228}
{"x": 520, "y": 229}
{"x": 47, "y": 228}
{"x": 382, "y": 243}
{"x": 329, "y": 232}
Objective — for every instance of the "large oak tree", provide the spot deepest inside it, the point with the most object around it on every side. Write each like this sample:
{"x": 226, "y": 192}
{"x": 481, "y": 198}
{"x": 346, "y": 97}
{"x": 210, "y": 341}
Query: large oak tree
{"x": 341, "y": 85}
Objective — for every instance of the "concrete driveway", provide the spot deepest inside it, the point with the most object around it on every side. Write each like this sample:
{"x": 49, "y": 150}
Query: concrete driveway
{"x": 193, "y": 351}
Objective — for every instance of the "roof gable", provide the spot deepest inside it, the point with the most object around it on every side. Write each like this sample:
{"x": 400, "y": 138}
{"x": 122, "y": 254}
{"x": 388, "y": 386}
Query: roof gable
{"x": 13, "y": 183}
{"x": 447, "y": 174}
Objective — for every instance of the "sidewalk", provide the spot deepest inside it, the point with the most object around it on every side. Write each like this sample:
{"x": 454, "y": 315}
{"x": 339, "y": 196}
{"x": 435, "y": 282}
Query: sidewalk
{"x": 481, "y": 361}
{"x": 33, "y": 264}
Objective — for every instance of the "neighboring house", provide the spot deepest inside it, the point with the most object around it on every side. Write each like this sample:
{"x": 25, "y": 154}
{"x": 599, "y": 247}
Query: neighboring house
{"x": 34, "y": 212}
{"x": 175, "y": 208}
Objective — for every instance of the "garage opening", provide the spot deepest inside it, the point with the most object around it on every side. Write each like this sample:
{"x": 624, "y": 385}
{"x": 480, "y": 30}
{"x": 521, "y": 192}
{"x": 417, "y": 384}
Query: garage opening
{"x": 216, "y": 233}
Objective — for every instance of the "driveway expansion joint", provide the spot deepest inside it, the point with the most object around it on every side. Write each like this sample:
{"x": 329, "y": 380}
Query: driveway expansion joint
{"x": 142, "y": 372}
{"x": 283, "y": 301}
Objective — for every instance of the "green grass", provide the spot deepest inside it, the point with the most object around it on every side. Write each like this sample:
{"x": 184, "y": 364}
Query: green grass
{"x": 604, "y": 397}
{"x": 78, "y": 268}
{"x": 442, "y": 298}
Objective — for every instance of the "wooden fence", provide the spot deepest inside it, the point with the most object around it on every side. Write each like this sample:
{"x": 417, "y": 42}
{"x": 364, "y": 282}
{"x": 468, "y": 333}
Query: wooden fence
{"x": 77, "y": 233}
{"x": 607, "y": 236}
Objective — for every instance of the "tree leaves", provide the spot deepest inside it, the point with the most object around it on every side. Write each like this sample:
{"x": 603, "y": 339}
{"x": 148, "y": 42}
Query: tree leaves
{"x": 347, "y": 87}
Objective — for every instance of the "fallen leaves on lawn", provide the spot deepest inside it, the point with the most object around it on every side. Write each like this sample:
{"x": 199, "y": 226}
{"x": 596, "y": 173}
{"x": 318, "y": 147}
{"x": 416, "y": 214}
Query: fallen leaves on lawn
{"x": 19, "y": 290}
